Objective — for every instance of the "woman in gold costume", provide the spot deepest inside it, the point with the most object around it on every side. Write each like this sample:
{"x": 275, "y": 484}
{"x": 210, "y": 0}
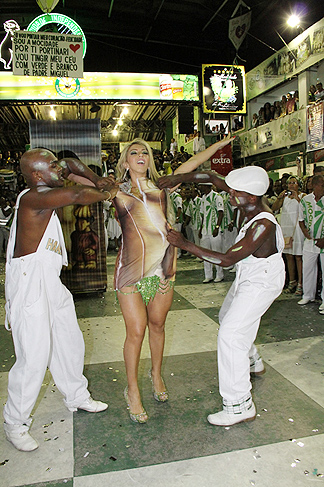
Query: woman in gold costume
{"x": 145, "y": 266}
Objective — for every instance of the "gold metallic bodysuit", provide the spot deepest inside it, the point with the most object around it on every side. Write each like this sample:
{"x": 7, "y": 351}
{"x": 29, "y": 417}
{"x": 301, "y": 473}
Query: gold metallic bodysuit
{"x": 145, "y": 259}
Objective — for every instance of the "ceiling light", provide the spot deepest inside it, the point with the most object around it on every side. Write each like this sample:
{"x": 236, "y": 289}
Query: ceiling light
{"x": 293, "y": 21}
{"x": 115, "y": 132}
{"x": 120, "y": 122}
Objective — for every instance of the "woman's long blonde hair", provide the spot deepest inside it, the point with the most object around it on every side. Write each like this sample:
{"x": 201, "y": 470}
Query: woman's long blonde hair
{"x": 121, "y": 171}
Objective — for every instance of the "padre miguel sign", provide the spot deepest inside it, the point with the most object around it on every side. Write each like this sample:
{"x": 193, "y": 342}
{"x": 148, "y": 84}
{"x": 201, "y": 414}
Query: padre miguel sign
{"x": 47, "y": 54}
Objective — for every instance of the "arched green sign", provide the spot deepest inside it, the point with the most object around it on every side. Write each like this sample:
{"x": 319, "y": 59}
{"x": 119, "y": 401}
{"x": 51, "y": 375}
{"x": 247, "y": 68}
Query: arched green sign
{"x": 59, "y": 19}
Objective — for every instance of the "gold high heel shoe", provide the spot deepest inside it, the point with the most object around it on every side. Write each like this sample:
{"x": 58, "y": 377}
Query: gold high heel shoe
{"x": 139, "y": 417}
{"x": 158, "y": 396}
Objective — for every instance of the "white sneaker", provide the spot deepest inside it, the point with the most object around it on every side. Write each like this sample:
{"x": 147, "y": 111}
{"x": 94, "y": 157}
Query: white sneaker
{"x": 228, "y": 419}
{"x": 305, "y": 301}
{"x": 321, "y": 306}
{"x": 233, "y": 270}
{"x": 91, "y": 406}
{"x": 206, "y": 281}
{"x": 18, "y": 435}
{"x": 258, "y": 367}
{"x": 219, "y": 279}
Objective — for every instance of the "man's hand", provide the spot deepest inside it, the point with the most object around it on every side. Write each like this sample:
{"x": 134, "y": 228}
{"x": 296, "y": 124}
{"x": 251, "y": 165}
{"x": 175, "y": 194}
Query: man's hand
{"x": 319, "y": 242}
{"x": 108, "y": 184}
{"x": 169, "y": 181}
{"x": 176, "y": 239}
{"x": 103, "y": 183}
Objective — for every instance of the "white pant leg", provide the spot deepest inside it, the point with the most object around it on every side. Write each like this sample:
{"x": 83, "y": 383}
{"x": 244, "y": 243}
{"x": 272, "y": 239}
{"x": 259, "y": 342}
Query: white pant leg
{"x": 35, "y": 342}
{"x": 322, "y": 267}
{"x": 228, "y": 239}
{"x": 196, "y": 237}
{"x": 29, "y": 322}
{"x": 66, "y": 360}
{"x": 189, "y": 233}
{"x": 205, "y": 242}
{"x": 217, "y": 246}
{"x": 177, "y": 227}
{"x": 309, "y": 274}
{"x": 239, "y": 322}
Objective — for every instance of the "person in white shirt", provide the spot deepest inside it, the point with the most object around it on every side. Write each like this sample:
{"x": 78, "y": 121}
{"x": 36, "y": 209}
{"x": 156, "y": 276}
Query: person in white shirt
{"x": 199, "y": 144}
{"x": 173, "y": 146}
{"x": 311, "y": 218}
{"x": 212, "y": 212}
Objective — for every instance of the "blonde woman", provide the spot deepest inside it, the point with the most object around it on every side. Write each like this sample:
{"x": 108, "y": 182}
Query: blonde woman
{"x": 146, "y": 265}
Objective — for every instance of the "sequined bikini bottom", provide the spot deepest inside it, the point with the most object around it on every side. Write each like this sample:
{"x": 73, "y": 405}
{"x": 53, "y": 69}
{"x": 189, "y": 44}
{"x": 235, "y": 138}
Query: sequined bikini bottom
{"x": 149, "y": 286}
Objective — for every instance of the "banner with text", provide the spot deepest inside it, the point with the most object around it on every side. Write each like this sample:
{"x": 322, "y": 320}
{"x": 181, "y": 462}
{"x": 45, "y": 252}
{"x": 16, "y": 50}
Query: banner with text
{"x": 222, "y": 160}
{"x": 283, "y": 132}
{"x": 47, "y": 54}
{"x": 315, "y": 126}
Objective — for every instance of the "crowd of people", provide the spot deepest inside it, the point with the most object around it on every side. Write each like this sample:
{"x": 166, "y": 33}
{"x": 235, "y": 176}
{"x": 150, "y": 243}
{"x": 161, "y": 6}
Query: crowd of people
{"x": 298, "y": 206}
{"x": 289, "y": 103}
{"x": 272, "y": 111}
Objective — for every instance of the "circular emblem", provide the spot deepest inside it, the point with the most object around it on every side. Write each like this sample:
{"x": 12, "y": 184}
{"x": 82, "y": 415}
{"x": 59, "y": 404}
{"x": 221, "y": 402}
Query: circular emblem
{"x": 63, "y": 24}
{"x": 67, "y": 87}
{"x": 293, "y": 129}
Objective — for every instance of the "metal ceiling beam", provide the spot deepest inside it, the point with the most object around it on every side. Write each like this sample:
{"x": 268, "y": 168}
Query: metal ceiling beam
{"x": 156, "y": 15}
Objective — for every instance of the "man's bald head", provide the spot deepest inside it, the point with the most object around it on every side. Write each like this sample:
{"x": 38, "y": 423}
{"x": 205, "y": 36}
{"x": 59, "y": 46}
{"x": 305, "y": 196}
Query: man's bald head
{"x": 35, "y": 160}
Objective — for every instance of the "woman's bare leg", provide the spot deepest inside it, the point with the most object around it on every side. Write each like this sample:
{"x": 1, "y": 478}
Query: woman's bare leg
{"x": 299, "y": 266}
{"x": 291, "y": 264}
{"x": 157, "y": 313}
{"x": 135, "y": 316}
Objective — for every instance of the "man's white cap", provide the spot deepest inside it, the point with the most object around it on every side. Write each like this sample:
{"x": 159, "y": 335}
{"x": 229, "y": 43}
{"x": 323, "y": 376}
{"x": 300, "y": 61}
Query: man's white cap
{"x": 251, "y": 179}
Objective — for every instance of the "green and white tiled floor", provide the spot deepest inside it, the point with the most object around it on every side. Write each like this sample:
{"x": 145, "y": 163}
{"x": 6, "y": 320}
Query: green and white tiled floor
{"x": 177, "y": 447}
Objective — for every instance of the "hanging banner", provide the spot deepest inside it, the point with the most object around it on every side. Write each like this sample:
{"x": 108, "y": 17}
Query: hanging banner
{"x": 47, "y": 5}
{"x": 47, "y": 54}
{"x": 315, "y": 126}
{"x": 83, "y": 226}
{"x": 96, "y": 86}
{"x": 283, "y": 132}
{"x": 223, "y": 88}
{"x": 222, "y": 160}
{"x": 238, "y": 28}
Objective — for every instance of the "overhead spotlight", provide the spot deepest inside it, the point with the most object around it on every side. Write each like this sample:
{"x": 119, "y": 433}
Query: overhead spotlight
{"x": 293, "y": 21}
{"x": 94, "y": 108}
{"x": 52, "y": 113}
{"x": 115, "y": 132}
{"x": 120, "y": 122}
{"x": 125, "y": 111}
